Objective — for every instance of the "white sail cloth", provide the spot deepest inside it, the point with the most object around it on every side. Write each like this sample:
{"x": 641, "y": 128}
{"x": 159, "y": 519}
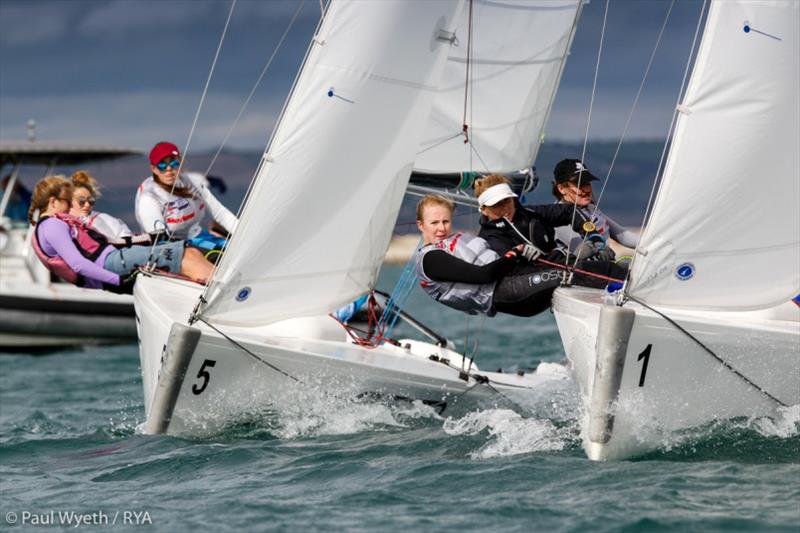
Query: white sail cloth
{"x": 519, "y": 48}
{"x": 320, "y": 214}
{"x": 725, "y": 228}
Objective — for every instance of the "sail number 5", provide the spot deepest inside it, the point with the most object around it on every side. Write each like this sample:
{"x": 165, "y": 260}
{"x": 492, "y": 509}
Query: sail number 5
{"x": 203, "y": 374}
{"x": 646, "y": 356}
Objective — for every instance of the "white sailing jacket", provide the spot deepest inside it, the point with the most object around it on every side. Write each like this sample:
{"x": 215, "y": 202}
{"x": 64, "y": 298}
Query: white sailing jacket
{"x": 183, "y": 217}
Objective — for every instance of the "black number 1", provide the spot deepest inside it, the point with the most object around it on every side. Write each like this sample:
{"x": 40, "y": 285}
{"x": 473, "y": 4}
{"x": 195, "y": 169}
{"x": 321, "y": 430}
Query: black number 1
{"x": 204, "y": 375}
{"x": 646, "y": 356}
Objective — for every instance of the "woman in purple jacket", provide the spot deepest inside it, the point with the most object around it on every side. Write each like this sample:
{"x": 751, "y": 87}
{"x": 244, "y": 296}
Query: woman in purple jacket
{"x": 86, "y": 258}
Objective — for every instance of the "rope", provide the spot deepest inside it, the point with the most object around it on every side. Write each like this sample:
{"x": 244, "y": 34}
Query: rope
{"x": 709, "y": 351}
{"x": 670, "y": 131}
{"x": 628, "y": 120}
{"x": 197, "y": 113}
{"x": 464, "y": 126}
{"x": 248, "y": 352}
{"x": 589, "y": 118}
{"x": 255, "y": 86}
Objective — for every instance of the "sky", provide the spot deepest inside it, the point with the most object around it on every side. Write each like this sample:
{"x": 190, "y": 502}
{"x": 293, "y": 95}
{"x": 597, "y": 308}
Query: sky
{"x": 131, "y": 72}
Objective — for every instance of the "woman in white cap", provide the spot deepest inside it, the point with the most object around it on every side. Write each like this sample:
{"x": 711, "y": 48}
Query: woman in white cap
{"x": 573, "y": 187}
{"x": 506, "y": 223}
{"x": 173, "y": 207}
{"x": 463, "y": 272}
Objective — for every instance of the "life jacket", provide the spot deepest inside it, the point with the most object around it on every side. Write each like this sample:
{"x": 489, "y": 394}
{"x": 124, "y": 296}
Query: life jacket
{"x": 472, "y": 298}
{"x": 89, "y": 243}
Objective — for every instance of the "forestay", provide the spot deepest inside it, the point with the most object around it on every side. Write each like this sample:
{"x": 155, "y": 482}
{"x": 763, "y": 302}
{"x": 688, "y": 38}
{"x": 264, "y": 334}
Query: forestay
{"x": 724, "y": 232}
{"x": 320, "y": 214}
{"x": 519, "y": 48}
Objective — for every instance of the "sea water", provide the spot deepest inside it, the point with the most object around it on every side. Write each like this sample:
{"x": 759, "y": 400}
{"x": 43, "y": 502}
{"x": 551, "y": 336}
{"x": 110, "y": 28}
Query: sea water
{"x": 72, "y": 456}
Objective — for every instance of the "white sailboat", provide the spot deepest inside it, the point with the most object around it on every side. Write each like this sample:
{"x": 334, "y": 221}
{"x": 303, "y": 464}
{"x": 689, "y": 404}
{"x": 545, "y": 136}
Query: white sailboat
{"x": 706, "y": 328}
{"x": 319, "y": 215}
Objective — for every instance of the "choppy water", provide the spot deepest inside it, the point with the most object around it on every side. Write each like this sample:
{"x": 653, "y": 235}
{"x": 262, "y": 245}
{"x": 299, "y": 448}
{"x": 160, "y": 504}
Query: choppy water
{"x": 69, "y": 442}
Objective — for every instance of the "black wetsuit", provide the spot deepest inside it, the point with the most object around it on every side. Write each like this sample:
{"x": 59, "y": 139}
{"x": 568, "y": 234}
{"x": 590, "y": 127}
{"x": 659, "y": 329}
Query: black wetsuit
{"x": 535, "y": 223}
{"x": 528, "y": 288}
{"x": 522, "y": 288}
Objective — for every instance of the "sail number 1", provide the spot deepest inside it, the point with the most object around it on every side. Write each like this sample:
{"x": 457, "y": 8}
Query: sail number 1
{"x": 203, "y": 375}
{"x": 646, "y": 356}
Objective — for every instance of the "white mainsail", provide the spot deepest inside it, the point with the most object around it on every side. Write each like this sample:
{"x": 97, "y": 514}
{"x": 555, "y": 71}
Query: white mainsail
{"x": 519, "y": 48}
{"x": 725, "y": 228}
{"x": 320, "y": 214}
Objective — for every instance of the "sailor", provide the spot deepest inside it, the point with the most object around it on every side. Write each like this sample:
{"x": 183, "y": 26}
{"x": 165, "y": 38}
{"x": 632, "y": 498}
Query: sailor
{"x": 506, "y": 223}
{"x": 465, "y": 273}
{"x": 573, "y": 187}
{"x": 173, "y": 207}
{"x": 84, "y": 257}
{"x": 85, "y": 192}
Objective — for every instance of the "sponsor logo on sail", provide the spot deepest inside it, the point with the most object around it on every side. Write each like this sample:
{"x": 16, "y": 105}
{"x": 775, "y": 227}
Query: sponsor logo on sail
{"x": 684, "y": 271}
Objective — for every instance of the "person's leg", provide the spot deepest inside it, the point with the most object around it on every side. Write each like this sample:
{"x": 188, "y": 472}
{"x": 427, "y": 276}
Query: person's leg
{"x": 526, "y": 292}
{"x": 604, "y": 268}
{"x": 194, "y": 265}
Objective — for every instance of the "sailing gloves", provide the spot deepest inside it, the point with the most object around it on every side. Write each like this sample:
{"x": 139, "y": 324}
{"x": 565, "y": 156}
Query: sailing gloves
{"x": 595, "y": 250}
{"x": 531, "y": 252}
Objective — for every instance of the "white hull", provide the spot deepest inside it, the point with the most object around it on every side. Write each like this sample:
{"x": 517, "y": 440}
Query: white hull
{"x": 224, "y": 384}
{"x": 38, "y": 313}
{"x": 683, "y": 385}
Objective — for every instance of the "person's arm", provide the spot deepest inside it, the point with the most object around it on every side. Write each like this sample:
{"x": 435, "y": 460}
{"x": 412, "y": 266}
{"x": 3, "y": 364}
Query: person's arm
{"x": 219, "y": 212}
{"x": 56, "y": 234}
{"x": 441, "y": 266}
{"x": 622, "y": 235}
{"x": 557, "y": 215}
{"x": 150, "y": 214}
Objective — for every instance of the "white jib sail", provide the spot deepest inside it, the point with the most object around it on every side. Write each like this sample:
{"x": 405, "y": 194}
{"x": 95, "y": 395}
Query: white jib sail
{"x": 725, "y": 228}
{"x": 518, "y": 51}
{"x": 320, "y": 214}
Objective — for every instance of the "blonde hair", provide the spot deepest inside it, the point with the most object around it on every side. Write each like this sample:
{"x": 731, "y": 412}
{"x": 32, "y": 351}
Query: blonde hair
{"x": 46, "y": 188}
{"x": 83, "y": 180}
{"x": 433, "y": 199}
{"x": 481, "y": 184}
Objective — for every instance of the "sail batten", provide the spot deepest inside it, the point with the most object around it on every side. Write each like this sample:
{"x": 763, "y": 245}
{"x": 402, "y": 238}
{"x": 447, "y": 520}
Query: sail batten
{"x": 725, "y": 227}
{"x": 321, "y": 211}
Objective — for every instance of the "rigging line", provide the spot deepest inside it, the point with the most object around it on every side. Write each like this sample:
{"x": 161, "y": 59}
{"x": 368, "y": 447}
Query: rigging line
{"x": 589, "y": 118}
{"x": 468, "y": 67}
{"x": 262, "y": 162}
{"x": 709, "y": 351}
{"x": 630, "y": 116}
{"x": 670, "y": 131}
{"x": 258, "y": 82}
{"x": 248, "y": 352}
{"x": 431, "y": 147}
{"x": 197, "y": 113}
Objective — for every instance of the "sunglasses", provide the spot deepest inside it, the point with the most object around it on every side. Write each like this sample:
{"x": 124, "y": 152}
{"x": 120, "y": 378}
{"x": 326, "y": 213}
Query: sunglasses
{"x": 163, "y": 165}
{"x": 83, "y": 201}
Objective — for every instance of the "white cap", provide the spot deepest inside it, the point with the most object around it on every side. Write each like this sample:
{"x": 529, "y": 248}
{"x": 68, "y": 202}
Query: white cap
{"x": 495, "y": 194}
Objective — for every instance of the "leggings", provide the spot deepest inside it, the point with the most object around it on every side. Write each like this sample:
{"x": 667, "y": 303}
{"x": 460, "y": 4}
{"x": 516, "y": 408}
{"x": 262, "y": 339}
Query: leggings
{"x": 527, "y": 290}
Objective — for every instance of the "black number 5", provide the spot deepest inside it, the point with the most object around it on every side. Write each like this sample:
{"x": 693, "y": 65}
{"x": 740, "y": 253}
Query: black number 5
{"x": 204, "y": 375}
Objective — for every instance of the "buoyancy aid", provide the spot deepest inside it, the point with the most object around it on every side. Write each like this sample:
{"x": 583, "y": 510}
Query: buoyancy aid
{"x": 89, "y": 243}
{"x": 472, "y": 298}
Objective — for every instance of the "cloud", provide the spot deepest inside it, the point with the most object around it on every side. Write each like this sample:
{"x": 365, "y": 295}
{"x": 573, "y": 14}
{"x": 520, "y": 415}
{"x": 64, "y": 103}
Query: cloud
{"x": 34, "y": 22}
{"x": 138, "y": 119}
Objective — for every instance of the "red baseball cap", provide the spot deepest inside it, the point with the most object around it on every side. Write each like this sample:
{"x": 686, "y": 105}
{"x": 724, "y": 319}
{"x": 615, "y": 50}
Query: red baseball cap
{"x": 162, "y": 150}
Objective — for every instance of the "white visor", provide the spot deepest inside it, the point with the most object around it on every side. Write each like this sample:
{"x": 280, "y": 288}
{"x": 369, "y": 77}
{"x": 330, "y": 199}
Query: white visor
{"x": 494, "y": 194}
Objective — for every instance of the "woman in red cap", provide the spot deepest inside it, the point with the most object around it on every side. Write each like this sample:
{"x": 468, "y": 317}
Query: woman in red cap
{"x": 173, "y": 207}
